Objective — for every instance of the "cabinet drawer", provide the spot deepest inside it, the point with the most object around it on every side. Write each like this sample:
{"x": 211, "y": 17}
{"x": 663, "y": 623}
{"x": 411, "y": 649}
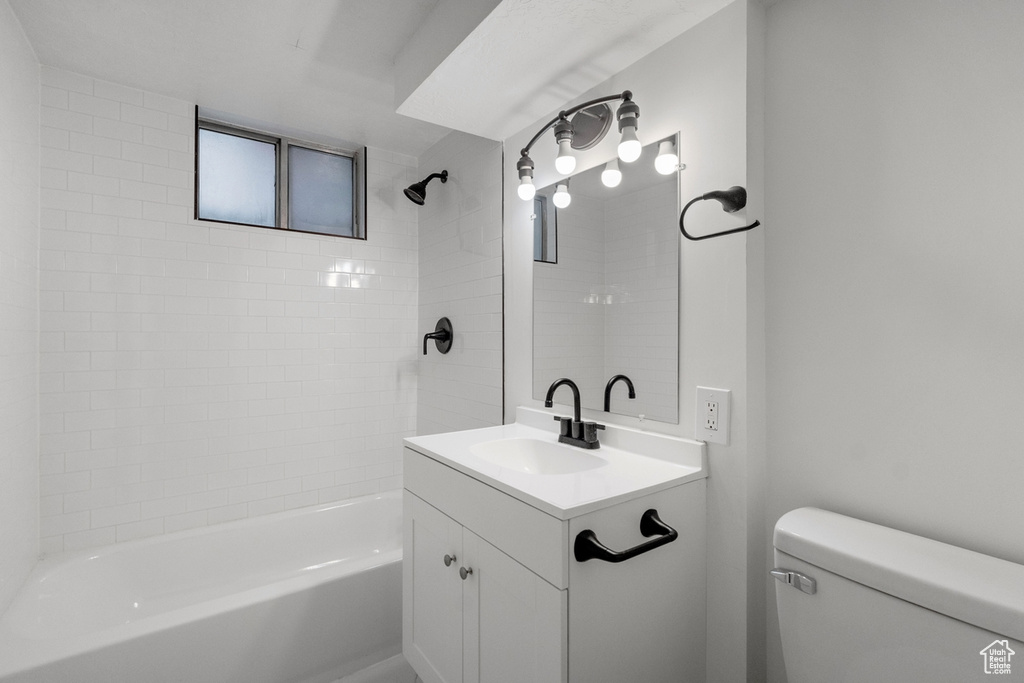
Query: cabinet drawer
{"x": 533, "y": 538}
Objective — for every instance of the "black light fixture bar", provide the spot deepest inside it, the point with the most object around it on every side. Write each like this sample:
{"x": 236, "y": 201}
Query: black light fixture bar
{"x": 566, "y": 113}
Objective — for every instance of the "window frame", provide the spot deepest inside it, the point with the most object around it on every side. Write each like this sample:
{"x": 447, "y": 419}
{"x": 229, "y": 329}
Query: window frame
{"x": 548, "y": 219}
{"x": 282, "y": 143}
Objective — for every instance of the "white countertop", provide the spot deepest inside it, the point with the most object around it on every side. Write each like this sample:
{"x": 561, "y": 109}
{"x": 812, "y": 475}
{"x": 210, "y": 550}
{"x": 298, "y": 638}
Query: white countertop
{"x": 635, "y": 463}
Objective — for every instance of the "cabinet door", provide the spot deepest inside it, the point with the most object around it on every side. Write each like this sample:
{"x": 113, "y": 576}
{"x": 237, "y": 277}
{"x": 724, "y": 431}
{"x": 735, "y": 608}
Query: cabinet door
{"x": 515, "y": 622}
{"x": 431, "y": 593}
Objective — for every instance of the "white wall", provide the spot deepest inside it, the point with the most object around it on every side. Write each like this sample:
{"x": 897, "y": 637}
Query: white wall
{"x": 194, "y": 372}
{"x": 460, "y": 277}
{"x": 697, "y": 85}
{"x": 19, "y": 316}
{"x": 893, "y": 267}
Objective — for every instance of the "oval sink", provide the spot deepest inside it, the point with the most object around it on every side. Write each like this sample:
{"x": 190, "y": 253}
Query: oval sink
{"x": 533, "y": 456}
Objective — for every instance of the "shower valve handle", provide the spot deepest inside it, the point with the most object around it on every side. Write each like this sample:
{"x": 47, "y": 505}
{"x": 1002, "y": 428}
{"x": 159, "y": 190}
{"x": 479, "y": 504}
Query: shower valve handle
{"x": 442, "y": 336}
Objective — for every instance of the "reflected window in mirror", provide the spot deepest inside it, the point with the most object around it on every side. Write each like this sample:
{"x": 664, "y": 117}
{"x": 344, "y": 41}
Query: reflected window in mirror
{"x": 545, "y": 230}
{"x": 611, "y": 305}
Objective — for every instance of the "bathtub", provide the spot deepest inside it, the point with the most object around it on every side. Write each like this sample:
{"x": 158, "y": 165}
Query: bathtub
{"x": 307, "y": 596}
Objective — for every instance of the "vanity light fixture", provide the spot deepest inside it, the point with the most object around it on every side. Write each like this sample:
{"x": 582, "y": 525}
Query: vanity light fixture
{"x": 629, "y": 148}
{"x": 611, "y": 176}
{"x": 565, "y": 162}
{"x": 667, "y": 161}
{"x": 562, "y": 198}
{"x": 526, "y": 187}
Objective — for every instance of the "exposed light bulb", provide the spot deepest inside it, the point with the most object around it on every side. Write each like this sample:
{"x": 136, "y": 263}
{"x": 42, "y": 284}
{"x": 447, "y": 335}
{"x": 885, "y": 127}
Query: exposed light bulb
{"x": 611, "y": 176}
{"x": 526, "y": 188}
{"x": 667, "y": 160}
{"x": 561, "y": 198}
{"x": 565, "y": 162}
{"x": 630, "y": 147}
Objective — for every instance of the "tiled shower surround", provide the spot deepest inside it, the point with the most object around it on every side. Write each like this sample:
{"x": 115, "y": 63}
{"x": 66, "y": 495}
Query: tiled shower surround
{"x": 195, "y": 372}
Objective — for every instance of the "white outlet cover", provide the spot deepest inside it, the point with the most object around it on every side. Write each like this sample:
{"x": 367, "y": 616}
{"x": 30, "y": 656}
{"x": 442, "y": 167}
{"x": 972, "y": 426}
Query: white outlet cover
{"x": 721, "y": 397}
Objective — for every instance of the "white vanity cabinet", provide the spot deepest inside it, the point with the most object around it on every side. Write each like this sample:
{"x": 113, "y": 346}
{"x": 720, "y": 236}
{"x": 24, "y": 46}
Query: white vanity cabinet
{"x": 530, "y": 611}
{"x": 473, "y": 614}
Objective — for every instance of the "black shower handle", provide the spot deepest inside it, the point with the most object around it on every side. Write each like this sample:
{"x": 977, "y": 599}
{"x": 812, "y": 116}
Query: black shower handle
{"x": 587, "y": 547}
{"x": 442, "y": 336}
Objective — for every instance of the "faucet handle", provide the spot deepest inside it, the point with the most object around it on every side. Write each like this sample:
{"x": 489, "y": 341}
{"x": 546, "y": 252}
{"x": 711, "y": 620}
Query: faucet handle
{"x": 564, "y": 425}
{"x": 590, "y": 431}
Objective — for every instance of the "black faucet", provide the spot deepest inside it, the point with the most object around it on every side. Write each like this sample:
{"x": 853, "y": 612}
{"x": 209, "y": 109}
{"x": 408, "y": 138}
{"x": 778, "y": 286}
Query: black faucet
{"x": 573, "y": 431}
{"x": 608, "y": 390}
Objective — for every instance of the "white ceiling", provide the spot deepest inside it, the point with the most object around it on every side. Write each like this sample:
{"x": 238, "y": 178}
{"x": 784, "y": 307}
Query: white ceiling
{"x": 323, "y": 66}
{"x": 529, "y": 58}
{"x": 328, "y": 66}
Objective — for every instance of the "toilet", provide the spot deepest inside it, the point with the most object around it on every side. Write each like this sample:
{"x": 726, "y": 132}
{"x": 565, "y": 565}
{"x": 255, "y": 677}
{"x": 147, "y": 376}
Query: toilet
{"x": 860, "y": 603}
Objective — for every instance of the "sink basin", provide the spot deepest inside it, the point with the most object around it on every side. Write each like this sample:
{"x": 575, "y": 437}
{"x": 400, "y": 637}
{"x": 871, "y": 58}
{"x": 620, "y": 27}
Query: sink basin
{"x": 533, "y": 456}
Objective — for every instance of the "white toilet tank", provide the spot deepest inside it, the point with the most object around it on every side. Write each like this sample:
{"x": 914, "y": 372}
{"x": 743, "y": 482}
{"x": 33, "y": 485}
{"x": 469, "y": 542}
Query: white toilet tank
{"x": 863, "y": 603}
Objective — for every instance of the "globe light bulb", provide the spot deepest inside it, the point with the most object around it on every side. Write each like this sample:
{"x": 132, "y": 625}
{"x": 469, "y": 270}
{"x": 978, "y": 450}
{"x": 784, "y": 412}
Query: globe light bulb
{"x": 611, "y": 176}
{"x": 565, "y": 162}
{"x": 562, "y": 198}
{"x": 630, "y": 147}
{"x": 527, "y": 190}
{"x": 667, "y": 160}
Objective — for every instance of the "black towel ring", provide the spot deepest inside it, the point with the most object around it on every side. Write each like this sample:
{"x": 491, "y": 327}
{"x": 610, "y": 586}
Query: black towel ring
{"x": 733, "y": 199}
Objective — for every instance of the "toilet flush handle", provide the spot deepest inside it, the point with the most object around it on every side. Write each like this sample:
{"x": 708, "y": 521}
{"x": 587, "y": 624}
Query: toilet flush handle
{"x": 796, "y": 579}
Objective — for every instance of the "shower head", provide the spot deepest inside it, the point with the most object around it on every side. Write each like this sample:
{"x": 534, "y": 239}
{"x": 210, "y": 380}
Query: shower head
{"x": 417, "y": 192}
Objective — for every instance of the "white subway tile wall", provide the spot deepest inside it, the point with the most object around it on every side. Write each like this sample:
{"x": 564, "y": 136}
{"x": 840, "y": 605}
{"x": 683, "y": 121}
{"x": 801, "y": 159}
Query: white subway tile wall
{"x": 641, "y": 332}
{"x": 19, "y": 306}
{"x": 461, "y": 278}
{"x": 569, "y": 305}
{"x": 195, "y": 372}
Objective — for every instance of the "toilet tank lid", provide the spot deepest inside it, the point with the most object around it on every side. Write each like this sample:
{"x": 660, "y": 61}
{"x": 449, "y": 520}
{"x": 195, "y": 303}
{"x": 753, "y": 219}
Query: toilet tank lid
{"x": 978, "y": 589}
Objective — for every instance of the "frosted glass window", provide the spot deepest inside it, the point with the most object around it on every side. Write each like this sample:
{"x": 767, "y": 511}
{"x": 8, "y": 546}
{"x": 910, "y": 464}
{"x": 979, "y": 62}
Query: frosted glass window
{"x": 263, "y": 179}
{"x": 238, "y": 179}
{"x": 320, "y": 192}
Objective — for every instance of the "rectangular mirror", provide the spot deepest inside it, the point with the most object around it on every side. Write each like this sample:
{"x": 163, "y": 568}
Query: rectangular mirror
{"x": 609, "y": 303}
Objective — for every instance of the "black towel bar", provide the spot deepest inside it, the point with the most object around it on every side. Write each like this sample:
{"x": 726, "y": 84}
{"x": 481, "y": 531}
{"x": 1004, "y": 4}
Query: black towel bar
{"x": 587, "y": 547}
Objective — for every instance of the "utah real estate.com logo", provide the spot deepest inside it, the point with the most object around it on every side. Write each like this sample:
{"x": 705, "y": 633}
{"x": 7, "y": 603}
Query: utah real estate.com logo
{"x": 997, "y": 657}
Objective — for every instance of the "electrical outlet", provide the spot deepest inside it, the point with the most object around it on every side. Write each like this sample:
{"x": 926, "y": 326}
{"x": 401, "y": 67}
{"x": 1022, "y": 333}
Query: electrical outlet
{"x": 712, "y": 419}
{"x": 711, "y": 415}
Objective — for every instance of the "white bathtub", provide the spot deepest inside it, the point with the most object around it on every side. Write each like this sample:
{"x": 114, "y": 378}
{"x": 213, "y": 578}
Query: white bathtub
{"x": 308, "y": 595}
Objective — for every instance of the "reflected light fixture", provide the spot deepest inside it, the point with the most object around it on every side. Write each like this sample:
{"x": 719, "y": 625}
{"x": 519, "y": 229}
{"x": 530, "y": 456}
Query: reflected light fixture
{"x": 565, "y": 163}
{"x": 667, "y": 160}
{"x": 562, "y": 198}
{"x": 611, "y": 176}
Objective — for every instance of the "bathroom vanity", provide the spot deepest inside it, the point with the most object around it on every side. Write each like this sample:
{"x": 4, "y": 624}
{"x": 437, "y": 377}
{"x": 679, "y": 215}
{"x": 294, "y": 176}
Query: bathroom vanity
{"x": 524, "y": 559}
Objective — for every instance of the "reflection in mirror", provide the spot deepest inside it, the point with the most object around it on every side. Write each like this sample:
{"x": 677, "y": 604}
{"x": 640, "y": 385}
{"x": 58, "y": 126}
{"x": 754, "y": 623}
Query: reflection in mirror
{"x": 609, "y": 304}
{"x": 545, "y": 230}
